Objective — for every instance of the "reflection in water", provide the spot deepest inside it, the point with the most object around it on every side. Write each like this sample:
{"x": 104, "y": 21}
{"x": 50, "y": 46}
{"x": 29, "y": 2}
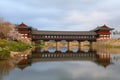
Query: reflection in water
{"x": 39, "y": 55}
{"x": 7, "y": 65}
{"x": 65, "y": 65}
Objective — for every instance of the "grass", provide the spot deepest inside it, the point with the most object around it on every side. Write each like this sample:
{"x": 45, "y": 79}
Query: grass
{"x": 112, "y": 46}
{"x": 39, "y": 45}
{"x": 7, "y": 46}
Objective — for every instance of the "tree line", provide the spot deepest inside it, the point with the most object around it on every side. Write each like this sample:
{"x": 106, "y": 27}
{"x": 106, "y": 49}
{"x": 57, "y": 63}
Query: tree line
{"x": 116, "y": 32}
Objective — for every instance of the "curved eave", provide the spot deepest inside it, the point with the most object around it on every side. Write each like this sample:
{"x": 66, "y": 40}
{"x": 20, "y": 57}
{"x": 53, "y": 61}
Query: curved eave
{"x": 97, "y": 29}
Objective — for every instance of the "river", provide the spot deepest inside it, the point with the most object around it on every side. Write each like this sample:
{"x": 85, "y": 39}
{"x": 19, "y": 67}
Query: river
{"x": 63, "y": 65}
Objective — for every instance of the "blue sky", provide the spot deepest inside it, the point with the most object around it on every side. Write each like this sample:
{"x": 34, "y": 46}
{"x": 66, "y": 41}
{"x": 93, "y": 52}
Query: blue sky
{"x": 73, "y": 15}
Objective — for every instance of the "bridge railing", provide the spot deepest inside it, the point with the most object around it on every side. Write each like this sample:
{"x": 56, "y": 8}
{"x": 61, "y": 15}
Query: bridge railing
{"x": 64, "y": 37}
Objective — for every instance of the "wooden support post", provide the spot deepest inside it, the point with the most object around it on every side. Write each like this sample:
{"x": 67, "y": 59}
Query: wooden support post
{"x": 57, "y": 46}
{"x": 46, "y": 46}
{"x": 79, "y": 45}
{"x": 91, "y": 46}
{"x": 69, "y": 46}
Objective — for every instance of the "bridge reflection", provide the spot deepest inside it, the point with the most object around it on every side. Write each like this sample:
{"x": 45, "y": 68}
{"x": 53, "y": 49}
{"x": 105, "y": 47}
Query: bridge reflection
{"x": 68, "y": 55}
{"x": 37, "y": 55}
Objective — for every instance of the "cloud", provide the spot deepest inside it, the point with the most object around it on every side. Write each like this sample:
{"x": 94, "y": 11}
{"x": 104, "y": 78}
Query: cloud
{"x": 57, "y": 14}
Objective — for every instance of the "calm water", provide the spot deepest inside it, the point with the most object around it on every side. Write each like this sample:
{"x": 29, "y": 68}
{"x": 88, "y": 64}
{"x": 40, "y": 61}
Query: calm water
{"x": 77, "y": 66}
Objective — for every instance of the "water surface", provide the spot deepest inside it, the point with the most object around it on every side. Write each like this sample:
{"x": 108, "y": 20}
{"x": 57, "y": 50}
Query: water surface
{"x": 63, "y": 67}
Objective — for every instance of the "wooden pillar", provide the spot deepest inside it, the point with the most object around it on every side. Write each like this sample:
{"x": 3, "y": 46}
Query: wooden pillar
{"x": 79, "y": 45}
{"x": 91, "y": 46}
{"x": 69, "y": 46}
{"x": 57, "y": 46}
{"x": 46, "y": 46}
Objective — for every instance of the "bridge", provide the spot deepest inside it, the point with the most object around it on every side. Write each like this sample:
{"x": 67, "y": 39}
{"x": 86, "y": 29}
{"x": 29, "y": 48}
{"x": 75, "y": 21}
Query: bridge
{"x": 69, "y": 36}
{"x": 102, "y": 32}
{"x": 64, "y": 35}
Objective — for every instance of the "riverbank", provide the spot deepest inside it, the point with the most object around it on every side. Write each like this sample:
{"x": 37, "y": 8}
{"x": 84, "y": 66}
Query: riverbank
{"x": 7, "y": 46}
{"x": 111, "y": 43}
{"x": 110, "y": 46}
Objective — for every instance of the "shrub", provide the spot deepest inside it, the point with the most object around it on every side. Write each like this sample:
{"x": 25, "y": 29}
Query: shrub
{"x": 7, "y": 46}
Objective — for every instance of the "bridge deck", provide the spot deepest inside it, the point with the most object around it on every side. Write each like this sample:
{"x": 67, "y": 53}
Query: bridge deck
{"x": 64, "y": 35}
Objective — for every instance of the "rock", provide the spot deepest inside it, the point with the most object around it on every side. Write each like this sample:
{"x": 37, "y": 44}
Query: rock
{"x": 13, "y": 54}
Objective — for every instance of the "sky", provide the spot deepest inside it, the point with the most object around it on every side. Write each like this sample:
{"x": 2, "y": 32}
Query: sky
{"x": 62, "y": 15}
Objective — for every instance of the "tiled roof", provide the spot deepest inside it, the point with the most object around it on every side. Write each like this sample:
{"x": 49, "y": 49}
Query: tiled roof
{"x": 40, "y": 32}
{"x": 104, "y": 27}
{"x": 22, "y": 25}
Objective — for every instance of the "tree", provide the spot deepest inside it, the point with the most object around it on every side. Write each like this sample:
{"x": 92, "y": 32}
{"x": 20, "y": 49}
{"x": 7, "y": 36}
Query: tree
{"x": 2, "y": 35}
{"x": 5, "y": 28}
{"x": 14, "y": 35}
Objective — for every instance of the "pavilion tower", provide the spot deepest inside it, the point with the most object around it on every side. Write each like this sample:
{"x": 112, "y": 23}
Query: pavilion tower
{"x": 103, "y": 32}
{"x": 24, "y": 30}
